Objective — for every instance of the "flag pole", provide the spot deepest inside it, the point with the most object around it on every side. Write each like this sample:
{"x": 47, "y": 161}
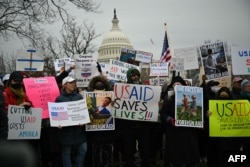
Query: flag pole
{"x": 166, "y": 31}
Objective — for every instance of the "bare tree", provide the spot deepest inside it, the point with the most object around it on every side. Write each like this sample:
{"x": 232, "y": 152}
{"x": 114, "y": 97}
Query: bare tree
{"x": 77, "y": 39}
{"x": 25, "y": 18}
{"x": 9, "y": 63}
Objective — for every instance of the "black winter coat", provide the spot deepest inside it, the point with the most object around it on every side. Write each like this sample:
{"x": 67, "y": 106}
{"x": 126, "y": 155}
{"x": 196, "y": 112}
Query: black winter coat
{"x": 181, "y": 142}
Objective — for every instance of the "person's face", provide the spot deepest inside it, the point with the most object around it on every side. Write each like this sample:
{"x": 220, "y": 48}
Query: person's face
{"x": 176, "y": 83}
{"x": 16, "y": 84}
{"x": 224, "y": 95}
{"x": 247, "y": 88}
{"x": 106, "y": 102}
{"x": 135, "y": 78}
{"x": 70, "y": 86}
{"x": 236, "y": 85}
{"x": 99, "y": 86}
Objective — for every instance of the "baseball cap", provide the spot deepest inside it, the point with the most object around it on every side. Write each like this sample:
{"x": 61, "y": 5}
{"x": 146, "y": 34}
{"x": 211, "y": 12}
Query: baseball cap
{"x": 237, "y": 79}
{"x": 6, "y": 77}
{"x": 67, "y": 79}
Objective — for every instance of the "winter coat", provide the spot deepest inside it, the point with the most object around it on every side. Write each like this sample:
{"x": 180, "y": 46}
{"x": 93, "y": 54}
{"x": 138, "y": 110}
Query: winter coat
{"x": 71, "y": 134}
{"x": 11, "y": 98}
{"x": 181, "y": 142}
{"x": 3, "y": 119}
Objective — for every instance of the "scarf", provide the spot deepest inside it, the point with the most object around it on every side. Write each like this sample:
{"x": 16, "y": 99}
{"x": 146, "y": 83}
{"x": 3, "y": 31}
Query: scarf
{"x": 19, "y": 94}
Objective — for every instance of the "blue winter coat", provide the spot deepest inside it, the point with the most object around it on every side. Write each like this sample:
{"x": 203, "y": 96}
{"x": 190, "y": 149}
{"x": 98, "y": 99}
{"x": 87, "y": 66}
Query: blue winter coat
{"x": 71, "y": 134}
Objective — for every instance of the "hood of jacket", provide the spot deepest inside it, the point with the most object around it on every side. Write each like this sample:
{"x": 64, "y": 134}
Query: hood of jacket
{"x": 99, "y": 78}
{"x": 132, "y": 71}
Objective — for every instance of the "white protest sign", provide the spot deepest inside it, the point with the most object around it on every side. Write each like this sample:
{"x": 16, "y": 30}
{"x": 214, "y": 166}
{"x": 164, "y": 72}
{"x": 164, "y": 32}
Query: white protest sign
{"x": 240, "y": 60}
{"x": 29, "y": 60}
{"x": 158, "y": 69}
{"x": 85, "y": 69}
{"x": 118, "y": 70}
{"x": 190, "y": 57}
{"x": 24, "y": 124}
{"x": 68, "y": 113}
{"x": 144, "y": 57}
{"x": 157, "y": 80}
{"x": 136, "y": 102}
{"x": 63, "y": 62}
{"x": 176, "y": 64}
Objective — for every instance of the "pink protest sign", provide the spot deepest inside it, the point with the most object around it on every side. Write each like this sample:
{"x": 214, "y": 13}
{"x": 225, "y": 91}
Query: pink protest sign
{"x": 41, "y": 91}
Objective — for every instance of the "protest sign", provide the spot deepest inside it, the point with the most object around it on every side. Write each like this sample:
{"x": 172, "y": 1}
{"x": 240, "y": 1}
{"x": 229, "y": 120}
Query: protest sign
{"x": 215, "y": 63}
{"x": 229, "y": 118}
{"x": 176, "y": 64}
{"x": 127, "y": 54}
{"x": 144, "y": 57}
{"x": 63, "y": 62}
{"x": 118, "y": 70}
{"x": 100, "y": 110}
{"x": 157, "y": 81}
{"x": 136, "y": 102}
{"x": 41, "y": 91}
{"x": 189, "y": 106}
{"x": 85, "y": 69}
{"x": 158, "y": 69}
{"x": 24, "y": 123}
{"x": 68, "y": 113}
{"x": 190, "y": 57}
{"x": 240, "y": 60}
{"x": 29, "y": 60}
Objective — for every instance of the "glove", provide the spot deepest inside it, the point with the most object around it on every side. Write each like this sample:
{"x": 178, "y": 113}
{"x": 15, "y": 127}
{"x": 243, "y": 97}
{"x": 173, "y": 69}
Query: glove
{"x": 171, "y": 120}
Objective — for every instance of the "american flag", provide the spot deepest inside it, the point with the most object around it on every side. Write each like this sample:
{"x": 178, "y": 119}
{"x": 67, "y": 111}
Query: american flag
{"x": 165, "y": 55}
{"x": 59, "y": 115}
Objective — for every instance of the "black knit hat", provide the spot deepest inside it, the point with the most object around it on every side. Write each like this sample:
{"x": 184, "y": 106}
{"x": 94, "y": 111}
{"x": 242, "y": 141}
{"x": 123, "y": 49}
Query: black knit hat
{"x": 16, "y": 76}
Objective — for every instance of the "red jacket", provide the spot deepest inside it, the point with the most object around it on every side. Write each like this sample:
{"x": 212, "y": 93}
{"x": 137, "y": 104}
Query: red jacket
{"x": 11, "y": 99}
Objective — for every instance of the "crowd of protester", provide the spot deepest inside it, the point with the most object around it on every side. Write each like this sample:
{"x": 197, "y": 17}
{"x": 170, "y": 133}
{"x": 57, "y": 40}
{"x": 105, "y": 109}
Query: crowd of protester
{"x": 132, "y": 143}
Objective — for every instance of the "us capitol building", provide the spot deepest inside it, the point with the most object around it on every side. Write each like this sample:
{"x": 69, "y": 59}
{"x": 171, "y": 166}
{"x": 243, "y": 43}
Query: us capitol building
{"x": 111, "y": 46}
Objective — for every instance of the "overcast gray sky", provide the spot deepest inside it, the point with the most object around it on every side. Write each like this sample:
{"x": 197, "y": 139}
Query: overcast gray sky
{"x": 189, "y": 22}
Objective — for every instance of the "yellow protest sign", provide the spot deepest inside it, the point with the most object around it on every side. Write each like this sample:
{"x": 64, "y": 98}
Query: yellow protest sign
{"x": 229, "y": 118}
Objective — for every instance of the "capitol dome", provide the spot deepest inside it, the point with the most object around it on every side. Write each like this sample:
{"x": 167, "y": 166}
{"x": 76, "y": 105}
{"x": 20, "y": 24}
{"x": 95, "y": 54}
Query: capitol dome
{"x": 113, "y": 42}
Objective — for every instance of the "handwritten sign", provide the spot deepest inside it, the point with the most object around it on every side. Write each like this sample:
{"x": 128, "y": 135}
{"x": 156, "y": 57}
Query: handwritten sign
{"x": 144, "y": 57}
{"x": 136, "y": 102}
{"x": 158, "y": 69}
{"x": 189, "y": 106}
{"x": 68, "y": 113}
{"x": 100, "y": 110}
{"x": 41, "y": 91}
{"x": 229, "y": 118}
{"x": 85, "y": 69}
{"x": 118, "y": 70}
{"x": 24, "y": 124}
{"x": 63, "y": 62}
{"x": 240, "y": 59}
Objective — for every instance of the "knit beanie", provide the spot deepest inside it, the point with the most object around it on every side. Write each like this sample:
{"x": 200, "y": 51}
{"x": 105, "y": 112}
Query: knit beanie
{"x": 15, "y": 76}
{"x": 244, "y": 83}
